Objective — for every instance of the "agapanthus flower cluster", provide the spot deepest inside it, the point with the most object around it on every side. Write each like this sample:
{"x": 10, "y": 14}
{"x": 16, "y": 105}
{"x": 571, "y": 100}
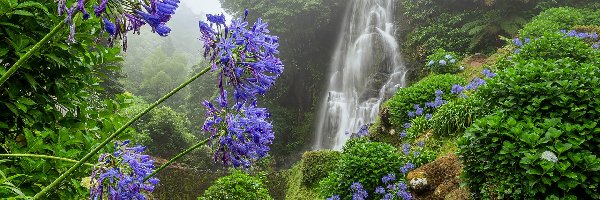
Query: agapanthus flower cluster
{"x": 363, "y": 131}
{"x": 393, "y": 189}
{"x": 120, "y": 175}
{"x": 246, "y": 61}
{"x": 443, "y": 62}
{"x": 520, "y": 43}
{"x": 240, "y": 135}
{"x": 473, "y": 85}
{"x": 120, "y": 17}
{"x": 588, "y": 37}
{"x": 358, "y": 192}
{"x": 407, "y": 168}
{"x": 438, "y": 101}
{"x": 244, "y": 57}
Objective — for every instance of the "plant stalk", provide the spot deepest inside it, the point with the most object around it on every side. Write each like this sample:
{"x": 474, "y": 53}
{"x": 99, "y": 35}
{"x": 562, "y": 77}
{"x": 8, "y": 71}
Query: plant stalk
{"x": 31, "y": 51}
{"x": 115, "y": 134}
{"x": 163, "y": 166}
{"x": 44, "y": 156}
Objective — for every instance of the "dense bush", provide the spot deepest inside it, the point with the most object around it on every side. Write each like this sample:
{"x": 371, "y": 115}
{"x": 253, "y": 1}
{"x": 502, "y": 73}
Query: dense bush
{"x": 295, "y": 189}
{"x": 554, "y": 46}
{"x": 443, "y": 62}
{"x": 316, "y": 165}
{"x": 237, "y": 185}
{"x": 361, "y": 161}
{"x": 555, "y": 19}
{"x": 423, "y": 91}
{"x": 456, "y": 116}
{"x": 543, "y": 141}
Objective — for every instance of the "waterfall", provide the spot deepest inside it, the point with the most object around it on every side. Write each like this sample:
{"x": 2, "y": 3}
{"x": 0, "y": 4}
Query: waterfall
{"x": 366, "y": 69}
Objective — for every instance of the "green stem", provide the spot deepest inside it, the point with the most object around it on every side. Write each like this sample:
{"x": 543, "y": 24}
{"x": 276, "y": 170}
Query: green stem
{"x": 44, "y": 156}
{"x": 163, "y": 166}
{"x": 115, "y": 134}
{"x": 31, "y": 51}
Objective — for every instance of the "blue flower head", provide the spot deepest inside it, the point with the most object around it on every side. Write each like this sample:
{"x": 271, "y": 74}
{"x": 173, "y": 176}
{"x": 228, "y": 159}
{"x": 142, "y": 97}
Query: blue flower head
{"x": 121, "y": 175}
{"x": 442, "y": 62}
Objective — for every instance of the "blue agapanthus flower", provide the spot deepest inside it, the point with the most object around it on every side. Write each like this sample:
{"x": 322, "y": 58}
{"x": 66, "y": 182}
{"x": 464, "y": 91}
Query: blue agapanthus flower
{"x": 246, "y": 58}
{"x": 240, "y": 135}
{"x": 388, "y": 178}
{"x": 442, "y": 62}
{"x": 406, "y": 148}
{"x": 407, "y": 168}
{"x": 334, "y": 197}
{"x": 120, "y": 175}
{"x": 358, "y": 192}
{"x": 457, "y": 89}
{"x": 428, "y": 116}
{"x": 488, "y": 73}
{"x": 120, "y": 17}
{"x": 475, "y": 83}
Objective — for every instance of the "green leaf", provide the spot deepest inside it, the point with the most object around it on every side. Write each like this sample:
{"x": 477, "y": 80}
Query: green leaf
{"x": 553, "y": 133}
{"x": 560, "y": 147}
{"x": 22, "y": 12}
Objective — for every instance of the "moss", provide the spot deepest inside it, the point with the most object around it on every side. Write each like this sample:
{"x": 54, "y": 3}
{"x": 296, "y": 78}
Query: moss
{"x": 297, "y": 191}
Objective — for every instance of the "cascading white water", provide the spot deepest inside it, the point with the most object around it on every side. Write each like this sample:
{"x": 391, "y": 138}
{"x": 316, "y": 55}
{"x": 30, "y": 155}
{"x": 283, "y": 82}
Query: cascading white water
{"x": 366, "y": 68}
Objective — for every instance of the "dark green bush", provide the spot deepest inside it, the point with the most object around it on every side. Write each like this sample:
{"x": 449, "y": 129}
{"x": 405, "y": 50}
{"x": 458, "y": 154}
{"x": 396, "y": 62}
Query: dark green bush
{"x": 236, "y": 185}
{"x": 544, "y": 107}
{"x": 316, "y": 165}
{"x": 419, "y": 93}
{"x": 456, "y": 116}
{"x": 361, "y": 161}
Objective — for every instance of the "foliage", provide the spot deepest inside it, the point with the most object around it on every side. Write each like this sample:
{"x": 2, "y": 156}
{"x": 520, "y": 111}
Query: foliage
{"x": 237, "y": 185}
{"x": 317, "y": 164}
{"x": 455, "y": 116}
{"x": 563, "y": 18}
{"x": 443, "y": 62}
{"x": 553, "y": 46}
{"x": 423, "y": 91}
{"x": 295, "y": 188}
{"x": 418, "y": 125}
{"x": 547, "y": 147}
{"x": 53, "y": 104}
{"x": 163, "y": 130}
{"x": 443, "y": 33}
{"x": 361, "y": 161}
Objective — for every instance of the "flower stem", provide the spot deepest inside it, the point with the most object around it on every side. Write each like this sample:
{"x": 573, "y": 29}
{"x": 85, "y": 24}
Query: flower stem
{"x": 163, "y": 166}
{"x": 31, "y": 51}
{"x": 43, "y": 156}
{"x": 115, "y": 134}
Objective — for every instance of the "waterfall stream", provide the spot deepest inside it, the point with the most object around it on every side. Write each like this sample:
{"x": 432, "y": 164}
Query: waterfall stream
{"x": 366, "y": 69}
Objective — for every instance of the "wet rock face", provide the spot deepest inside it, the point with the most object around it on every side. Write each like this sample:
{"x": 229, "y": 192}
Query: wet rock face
{"x": 438, "y": 180}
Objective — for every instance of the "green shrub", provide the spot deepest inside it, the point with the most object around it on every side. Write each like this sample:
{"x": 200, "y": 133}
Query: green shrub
{"x": 554, "y": 46}
{"x": 361, "y": 161}
{"x": 544, "y": 107}
{"x": 556, "y": 19}
{"x": 316, "y": 165}
{"x": 236, "y": 185}
{"x": 443, "y": 62}
{"x": 419, "y": 93}
{"x": 295, "y": 189}
{"x": 418, "y": 125}
{"x": 456, "y": 116}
